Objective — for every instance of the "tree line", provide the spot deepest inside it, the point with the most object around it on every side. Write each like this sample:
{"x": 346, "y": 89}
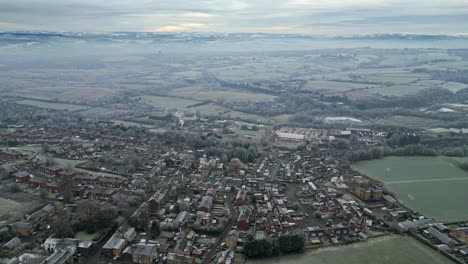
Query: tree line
{"x": 263, "y": 248}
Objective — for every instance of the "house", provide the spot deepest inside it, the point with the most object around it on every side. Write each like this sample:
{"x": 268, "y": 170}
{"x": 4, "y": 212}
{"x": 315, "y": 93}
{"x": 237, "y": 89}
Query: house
{"x": 138, "y": 183}
{"x": 155, "y": 203}
{"x": 369, "y": 191}
{"x": 111, "y": 182}
{"x": 22, "y": 176}
{"x": 61, "y": 256}
{"x": 87, "y": 179}
{"x": 144, "y": 253}
{"x": 101, "y": 193}
{"x": 37, "y": 182}
{"x": 313, "y": 233}
{"x": 243, "y": 220}
{"x": 232, "y": 238}
{"x": 21, "y": 229}
{"x": 54, "y": 244}
{"x": 11, "y": 154}
{"x": 337, "y": 230}
{"x": 206, "y": 204}
{"x": 181, "y": 218}
{"x": 10, "y": 248}
{"x": 79, "y": 191}
{"x": 54, "y": 187}
{"x": 114, "y": 246}
{"x": 8, "y": 169}
{"x": 241, "y": 197}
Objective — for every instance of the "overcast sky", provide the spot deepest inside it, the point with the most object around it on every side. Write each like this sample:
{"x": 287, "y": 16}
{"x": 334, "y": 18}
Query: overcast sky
{"x": 317, "y": 17}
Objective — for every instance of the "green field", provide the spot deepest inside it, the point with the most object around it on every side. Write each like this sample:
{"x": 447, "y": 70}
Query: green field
{"x": 168, "y": 102}
{"x": 49, "y": 105}
{"x": 384, "y": 250}
{"x": 433, "y": 186}
{"x": 85, "y": 236}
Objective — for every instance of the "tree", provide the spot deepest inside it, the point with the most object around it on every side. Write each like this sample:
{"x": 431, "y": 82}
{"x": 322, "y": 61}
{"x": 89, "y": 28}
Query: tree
{"x": 62, "y": 228}
{"x": 155, "y": 229}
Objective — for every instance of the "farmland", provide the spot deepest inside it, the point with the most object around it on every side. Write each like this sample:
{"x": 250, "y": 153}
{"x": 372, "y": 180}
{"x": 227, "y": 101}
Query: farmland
{"x": 167, "y": 102}
{"x": 384, "y": 250}
{"x": 433, "y": 186}
{"x": 50, "y": 105}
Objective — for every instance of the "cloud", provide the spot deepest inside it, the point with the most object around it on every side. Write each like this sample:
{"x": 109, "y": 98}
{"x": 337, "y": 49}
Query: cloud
{"x": 178, "y": 28}
{"x": 294, "y": 16}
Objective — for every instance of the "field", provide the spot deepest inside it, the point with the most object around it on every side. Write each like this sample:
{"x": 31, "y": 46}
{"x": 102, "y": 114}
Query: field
{"x": 433, "y": 186}
{"x": 10, "y": 208}
{"x": 49, "y": 105}
{"x": 85, "y": 236}
{"x": 202, "y": 94}
{"x": 384, "y": 250}
{"x": 7, "y": 209}
{"x": 168, "y": 102}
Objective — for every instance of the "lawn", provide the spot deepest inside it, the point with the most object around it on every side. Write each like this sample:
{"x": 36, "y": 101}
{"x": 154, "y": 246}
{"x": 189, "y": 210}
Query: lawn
{"x": 49, "y": 105}
{"x": 85, "y": 236}
{"x": 433, "y": 186}
{"x": 384, "y": 250}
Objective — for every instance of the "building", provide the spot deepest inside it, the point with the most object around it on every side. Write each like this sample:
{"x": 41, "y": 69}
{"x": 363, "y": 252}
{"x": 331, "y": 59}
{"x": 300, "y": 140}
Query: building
{"x": 181, "y": 218}
{"x": 206, "y": 204}
{"x": 243, "y": 220}
{"x": 241, "y": 198}
{"x": 8, "y": 169}
{"x": 440, "y": 237}
{"x": 10, "y": 248}
{"x": 21, "y": 229}
{"x": 11, "y": 154}
{"x": 155, "y": 203}
{"x": 114, "y": 246}
{"x": 144, "y": 253}
{"x": 368, "y": 192}
{"x": 22, "y": 176}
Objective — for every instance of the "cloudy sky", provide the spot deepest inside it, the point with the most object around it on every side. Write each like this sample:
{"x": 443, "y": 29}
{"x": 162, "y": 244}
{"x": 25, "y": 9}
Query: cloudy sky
{"x": 317, "y": 17}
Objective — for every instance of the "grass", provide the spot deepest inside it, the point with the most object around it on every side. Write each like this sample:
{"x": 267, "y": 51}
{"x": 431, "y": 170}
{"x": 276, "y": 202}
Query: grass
{"x": 49, "y": 105}
{"x": 199, "y": 93}
{"x": 168, "y": 102}
{"x": 334, "y": 86}
{"x": 433, "y": 186}
{"x": 29, "y": 149}
{"x": 384, "y": 250}
{"x": 85, "y": 236}
{"x": 408, "y": 121}
{"x": 96, "y": 111}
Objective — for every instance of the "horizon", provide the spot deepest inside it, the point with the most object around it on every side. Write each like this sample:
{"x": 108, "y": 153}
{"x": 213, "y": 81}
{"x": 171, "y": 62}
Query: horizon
{"x": 335, "y": 18}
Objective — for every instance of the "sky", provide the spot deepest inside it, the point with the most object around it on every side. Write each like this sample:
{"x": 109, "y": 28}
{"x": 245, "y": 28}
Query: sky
{"x": 311, "y": 17}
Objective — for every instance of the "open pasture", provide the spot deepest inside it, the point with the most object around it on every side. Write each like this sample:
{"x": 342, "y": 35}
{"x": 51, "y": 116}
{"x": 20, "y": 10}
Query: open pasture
{"x": 383, "y": 250}
{"x": 433, "y": 186}
{"x": 50, "y": 105}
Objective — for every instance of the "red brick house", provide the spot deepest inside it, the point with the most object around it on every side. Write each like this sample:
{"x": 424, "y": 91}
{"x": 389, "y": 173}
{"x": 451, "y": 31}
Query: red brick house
{"x": 111, "y": 182}
{"x": 11, "y": 154}
{"x": 79, "y": 192}
{"x": 155, "y": 203}
{"x": 54, "y": 187}
{"x": 87, "y": 179}
{"x": 38, "y": 182}
{"x": 22, "y": 176}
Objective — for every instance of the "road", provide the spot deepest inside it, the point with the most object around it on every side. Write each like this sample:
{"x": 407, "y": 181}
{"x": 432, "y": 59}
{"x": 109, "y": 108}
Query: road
{"x": 223, "y": 235}
{"x": 291, "y": 194}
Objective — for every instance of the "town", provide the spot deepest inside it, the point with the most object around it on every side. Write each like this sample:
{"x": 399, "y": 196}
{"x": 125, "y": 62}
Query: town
{"x": 83, "y": 190}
